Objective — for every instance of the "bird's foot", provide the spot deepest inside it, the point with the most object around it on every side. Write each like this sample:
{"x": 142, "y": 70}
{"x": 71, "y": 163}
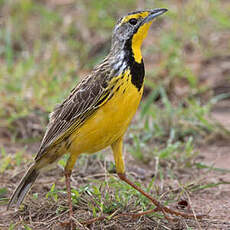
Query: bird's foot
{"x": 165, "y": 210}
{"x": 159, "y": 207}
{"x": 174, "y": 212}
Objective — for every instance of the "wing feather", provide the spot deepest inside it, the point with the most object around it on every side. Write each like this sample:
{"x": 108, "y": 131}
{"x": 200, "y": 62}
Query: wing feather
{"x": 82, "y": 102}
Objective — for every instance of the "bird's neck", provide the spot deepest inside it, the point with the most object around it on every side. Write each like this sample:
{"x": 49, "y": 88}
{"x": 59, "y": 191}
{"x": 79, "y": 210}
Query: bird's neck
{"x": 124, "y": 56}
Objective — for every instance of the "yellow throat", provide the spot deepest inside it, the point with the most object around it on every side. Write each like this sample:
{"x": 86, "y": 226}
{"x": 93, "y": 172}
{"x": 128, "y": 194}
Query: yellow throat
{"x": 137, "y": 41}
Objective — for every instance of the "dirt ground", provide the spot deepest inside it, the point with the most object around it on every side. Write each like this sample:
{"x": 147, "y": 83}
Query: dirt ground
{"x": 217, "y": 199}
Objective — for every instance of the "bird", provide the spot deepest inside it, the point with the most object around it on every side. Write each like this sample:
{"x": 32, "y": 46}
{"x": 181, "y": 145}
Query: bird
{"x": 98, "y": 110}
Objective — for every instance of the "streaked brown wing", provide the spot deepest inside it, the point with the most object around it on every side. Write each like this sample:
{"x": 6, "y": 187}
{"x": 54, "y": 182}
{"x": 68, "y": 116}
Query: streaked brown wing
{"x": 83, "y": 101}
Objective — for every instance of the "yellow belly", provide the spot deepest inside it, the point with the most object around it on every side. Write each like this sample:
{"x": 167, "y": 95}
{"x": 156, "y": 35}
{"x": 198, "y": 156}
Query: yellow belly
{"x": 110, "y": 121}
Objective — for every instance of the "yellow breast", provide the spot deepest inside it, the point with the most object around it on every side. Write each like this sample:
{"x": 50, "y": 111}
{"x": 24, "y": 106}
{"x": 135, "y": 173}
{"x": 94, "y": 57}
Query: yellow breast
{"x": 110, "y": 121}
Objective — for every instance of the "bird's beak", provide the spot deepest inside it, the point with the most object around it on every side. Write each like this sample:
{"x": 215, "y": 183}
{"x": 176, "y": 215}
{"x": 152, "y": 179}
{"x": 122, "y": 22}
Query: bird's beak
{"x": 153, "y": 14}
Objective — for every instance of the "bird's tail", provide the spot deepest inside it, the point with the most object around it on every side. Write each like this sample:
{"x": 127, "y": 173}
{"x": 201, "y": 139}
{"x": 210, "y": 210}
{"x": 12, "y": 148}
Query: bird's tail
{"x": 24, "y": 186}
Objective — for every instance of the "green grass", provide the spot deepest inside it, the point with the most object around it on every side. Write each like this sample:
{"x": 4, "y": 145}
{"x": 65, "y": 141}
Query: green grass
{"x": 105, "y": 196}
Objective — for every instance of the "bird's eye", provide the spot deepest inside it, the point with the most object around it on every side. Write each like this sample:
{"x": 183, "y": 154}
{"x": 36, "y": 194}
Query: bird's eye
{"x": 133, "y": 21}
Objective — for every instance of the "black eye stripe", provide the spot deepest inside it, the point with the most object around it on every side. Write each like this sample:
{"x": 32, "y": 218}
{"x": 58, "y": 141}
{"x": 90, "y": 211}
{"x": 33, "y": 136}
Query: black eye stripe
{"x": 133, "y": 21}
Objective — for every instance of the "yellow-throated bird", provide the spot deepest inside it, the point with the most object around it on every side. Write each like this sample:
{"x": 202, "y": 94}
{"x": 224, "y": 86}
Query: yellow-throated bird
{"x": 99, "y": 109}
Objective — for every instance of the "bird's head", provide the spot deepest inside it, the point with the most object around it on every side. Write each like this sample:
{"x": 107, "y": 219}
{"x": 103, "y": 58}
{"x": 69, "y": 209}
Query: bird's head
{"x": 131, "y": 30}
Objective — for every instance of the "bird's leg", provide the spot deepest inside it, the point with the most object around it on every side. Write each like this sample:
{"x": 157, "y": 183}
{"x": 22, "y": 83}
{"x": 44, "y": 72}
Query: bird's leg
{"x": 68, "y": 171}
{"x": 68, "y": 188}
{"x": 123, "y": 177}
{"x": 120, "y": 168}
{"x": 159, "y": 206}
{"x": 70, "y": 223}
